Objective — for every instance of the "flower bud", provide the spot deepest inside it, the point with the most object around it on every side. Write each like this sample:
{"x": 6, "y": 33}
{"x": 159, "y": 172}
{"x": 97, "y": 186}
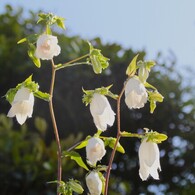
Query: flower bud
{"x": 102, "y": 112}
{"x": 149, "y": 160}
{"x": 22, "y": 105}
{"x": 94, "y": 183}
{"x": 135, "y": 93}
{"x": 47, "y": 47}
{"x": 95, "y": 150}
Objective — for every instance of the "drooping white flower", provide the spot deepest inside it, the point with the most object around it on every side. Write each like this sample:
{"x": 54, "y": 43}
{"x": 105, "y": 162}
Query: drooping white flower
{"x": 149, "y": 160}
{"x": 102, "y": 112}
{"x": 94, "y": 183}
{"x": 47, "y": 47}
{"x": 95, "y": 150}
{"x": 22, "y": 105}
{"x": 135, "y": 93}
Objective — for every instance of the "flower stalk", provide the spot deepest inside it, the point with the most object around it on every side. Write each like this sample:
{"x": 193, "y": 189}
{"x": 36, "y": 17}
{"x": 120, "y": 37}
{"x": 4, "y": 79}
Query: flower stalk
{"x": 117, "y": 140}
{"x": 59, "y": 150}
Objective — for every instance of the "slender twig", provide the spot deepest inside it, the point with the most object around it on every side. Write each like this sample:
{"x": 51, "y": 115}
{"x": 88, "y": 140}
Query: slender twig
{"x": 116, "y": 143}
{"x": 71, "y": 62}
{"x": 59, "y": 151}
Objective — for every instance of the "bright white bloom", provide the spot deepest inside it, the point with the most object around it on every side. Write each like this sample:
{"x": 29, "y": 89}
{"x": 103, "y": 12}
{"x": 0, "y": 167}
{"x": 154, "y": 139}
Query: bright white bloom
{"x": 135, "y": 93}
{"x": 95, "y": 150}
{"x": 149, "y": 160}
{"x": 94, "y": 183}
{"x": 102, "y": 112}
{"x": 47, "y": 47}
{"x": 22, "y": 105}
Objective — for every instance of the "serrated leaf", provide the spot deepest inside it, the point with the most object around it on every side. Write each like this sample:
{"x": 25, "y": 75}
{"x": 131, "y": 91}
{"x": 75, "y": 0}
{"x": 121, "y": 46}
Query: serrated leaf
{"x": 131, "y": 69}
{"x": 42, "y": 95}
{"x": 156, "y": 137}
{"x": 76, "y": 157}
{"x": 110, "y": 141}
{"x": 75, "y": 186}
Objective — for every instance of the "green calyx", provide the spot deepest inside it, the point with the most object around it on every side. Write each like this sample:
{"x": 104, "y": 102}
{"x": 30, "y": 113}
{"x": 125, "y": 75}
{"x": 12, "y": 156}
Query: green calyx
{"x": 88, "y": 94}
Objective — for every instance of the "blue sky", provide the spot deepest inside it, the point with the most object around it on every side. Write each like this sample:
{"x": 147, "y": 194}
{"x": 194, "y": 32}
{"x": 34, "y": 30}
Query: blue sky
{"x": 153, "y": 25}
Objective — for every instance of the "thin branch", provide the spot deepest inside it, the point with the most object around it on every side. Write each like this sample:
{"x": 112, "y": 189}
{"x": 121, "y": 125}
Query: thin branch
{"x": 116, "y": 143}
{"x": 59, "y": 151}
{"x": 71, "y": 62}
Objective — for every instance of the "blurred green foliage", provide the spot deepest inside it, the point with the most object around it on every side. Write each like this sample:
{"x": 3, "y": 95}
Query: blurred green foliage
{"x": 28, "y": 153}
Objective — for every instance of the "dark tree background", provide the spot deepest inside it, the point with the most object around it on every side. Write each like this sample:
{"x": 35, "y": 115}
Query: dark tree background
{"x": 28, "y": 153}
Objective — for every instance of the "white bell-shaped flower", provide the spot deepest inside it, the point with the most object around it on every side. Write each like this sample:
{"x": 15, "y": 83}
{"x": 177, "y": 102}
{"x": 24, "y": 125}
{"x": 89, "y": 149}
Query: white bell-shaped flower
{"x": 94, "y": 183}
{"x": 135, "y": 93}
{"x": 47, "y": 47}
{"x": 22, "y": 105}
{"x": 102, "y": 112}
{"x": 95, "y": 150}
{"x": 149, "y": 160}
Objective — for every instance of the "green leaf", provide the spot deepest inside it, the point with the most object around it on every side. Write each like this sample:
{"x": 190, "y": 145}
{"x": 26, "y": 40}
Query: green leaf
{"x": 60, "y": 23}
{"x": 75, "y": 186}
{"x": 131, "y": 69}
{"x": 76, "y": 157}
{"x": 154, "y": 96}
{"x": 97, "y": 60}
{"x": 156, "y": 137}
{"x": 11, "y": 94}
{"x": 22, "y": 40}
{"x": 110, "y": 141}
{"x": 147, "y": 85}
{"x": 31, "y": 53}
{"x": 150, "y": 64}
{"x": 42, "y": 95}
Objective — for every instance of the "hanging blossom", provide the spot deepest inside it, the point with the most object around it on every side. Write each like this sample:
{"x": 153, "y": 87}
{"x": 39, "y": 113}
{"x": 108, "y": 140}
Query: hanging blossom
{"x": 94, "y": 183}
{"x": 135, "y": 93}
{"x": 102, "y": 112}
{"x": 149, "y": 160}
{"x": 22, "y": 105}
{"x": 95, "y": 150}
{"x": 47, "y": 47}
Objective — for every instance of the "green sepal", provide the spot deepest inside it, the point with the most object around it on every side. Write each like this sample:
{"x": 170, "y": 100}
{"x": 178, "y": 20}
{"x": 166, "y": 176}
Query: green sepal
{"x": 155, "y": 137}
{"x": 31, "y": 85}
{"x": 154, "y": 96}
{"x": 110, "y": 141}
{"x": 31, "y": 54}
{"x": 131, "y": 69}
{"x": 75, "y": 186}
{"x": 98, "y": 61}
{"x": 87, "y": 97}
{"x": 103, "y": 179}
{"x": 150, "y": 64}
{"x": 76, "y": 157}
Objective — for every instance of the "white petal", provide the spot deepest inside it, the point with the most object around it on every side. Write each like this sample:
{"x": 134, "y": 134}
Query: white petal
{"x": 21, "y": 118}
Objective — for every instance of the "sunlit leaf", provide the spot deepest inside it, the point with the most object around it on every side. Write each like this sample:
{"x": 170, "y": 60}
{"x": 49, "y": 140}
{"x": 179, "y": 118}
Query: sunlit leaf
{"x": 76, "y": 157}
{"x": 131, "y": 69}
